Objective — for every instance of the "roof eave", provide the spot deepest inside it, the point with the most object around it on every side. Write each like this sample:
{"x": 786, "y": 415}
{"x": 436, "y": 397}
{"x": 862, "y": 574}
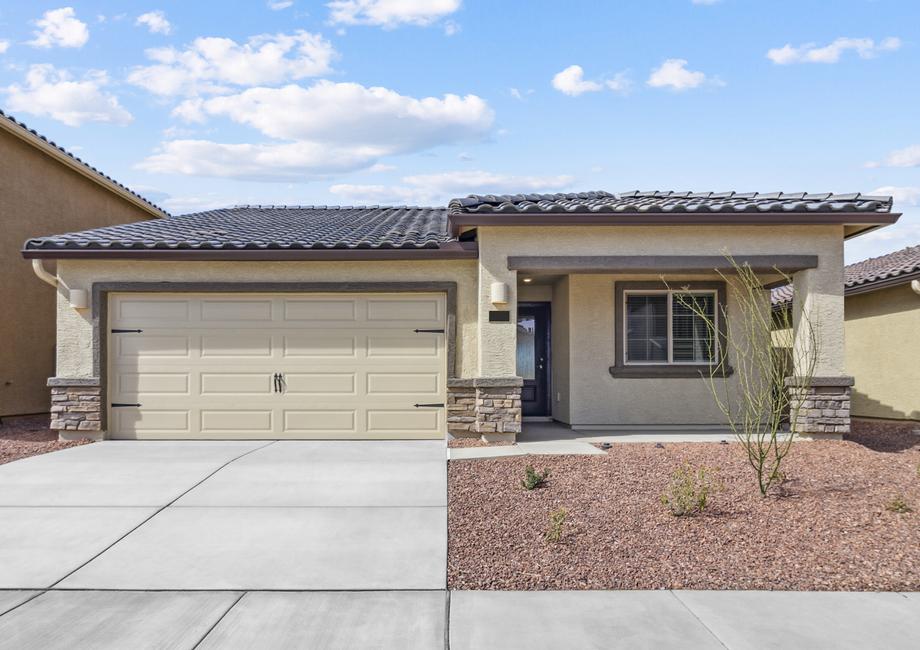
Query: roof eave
{"x": 871, "y": 220}
{"x": 79, "y": 167}
{"x": 447, "y": 251}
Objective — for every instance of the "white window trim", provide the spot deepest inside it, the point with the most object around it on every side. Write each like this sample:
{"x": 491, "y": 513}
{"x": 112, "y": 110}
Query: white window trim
{"x": 670, "y": 293}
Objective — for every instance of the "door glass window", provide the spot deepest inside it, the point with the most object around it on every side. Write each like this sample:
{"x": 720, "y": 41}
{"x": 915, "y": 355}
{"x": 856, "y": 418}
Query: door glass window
{"x": 526, "y": 355}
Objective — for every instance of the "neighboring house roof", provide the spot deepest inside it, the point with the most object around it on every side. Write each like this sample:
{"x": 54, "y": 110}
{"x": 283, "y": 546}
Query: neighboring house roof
{"x": 869, "y": 275}
{"x": 40, "y": 142}
{"x": 228, "y": 233}
{"x": 663, "y": 202}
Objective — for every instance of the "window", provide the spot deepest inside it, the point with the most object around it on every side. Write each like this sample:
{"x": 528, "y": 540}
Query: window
{"x": 661, "y": 328}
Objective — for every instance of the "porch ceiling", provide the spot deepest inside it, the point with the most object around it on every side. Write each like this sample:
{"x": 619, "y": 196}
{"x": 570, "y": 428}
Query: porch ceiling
{"x": 564, "y": 264}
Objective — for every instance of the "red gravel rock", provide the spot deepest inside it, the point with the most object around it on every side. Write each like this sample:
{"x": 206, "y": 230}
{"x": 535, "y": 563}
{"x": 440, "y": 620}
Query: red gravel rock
{"x": 461, "y": 443}
{"x": 29, "y": 435}
{"x": 826, "y": 528}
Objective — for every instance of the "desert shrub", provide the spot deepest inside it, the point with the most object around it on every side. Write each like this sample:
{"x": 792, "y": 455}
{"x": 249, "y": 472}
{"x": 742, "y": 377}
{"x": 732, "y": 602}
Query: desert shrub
{"x": 898, "y": 505}
{"x": 533, "y": 479}
{"x": 556, "y": 525}
{"x": 689, "y": 490}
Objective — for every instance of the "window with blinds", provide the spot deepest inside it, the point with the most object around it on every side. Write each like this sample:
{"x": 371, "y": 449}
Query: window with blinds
{"x": 662, "y": 328}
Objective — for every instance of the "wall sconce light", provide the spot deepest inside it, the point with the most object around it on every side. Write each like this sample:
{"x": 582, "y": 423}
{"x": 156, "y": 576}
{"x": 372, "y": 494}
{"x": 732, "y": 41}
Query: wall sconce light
{"x": 79, "y": 298}
{"x": 528, "y": 280}
{"x": 499, "y": 293}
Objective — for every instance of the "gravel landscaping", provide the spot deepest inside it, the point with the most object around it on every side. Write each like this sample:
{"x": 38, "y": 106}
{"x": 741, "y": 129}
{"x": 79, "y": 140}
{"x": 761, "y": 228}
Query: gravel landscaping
{"x": 29, "y": 435}
{"x": 826, "y": 528}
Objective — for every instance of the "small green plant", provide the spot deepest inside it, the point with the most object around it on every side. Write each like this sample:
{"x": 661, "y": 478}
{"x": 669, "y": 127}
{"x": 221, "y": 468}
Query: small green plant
{"x": 533, "y": 479}
{"x": 556, "y": 525}
{"x": 689, "y": 491}
{"x": 898, "y": 505}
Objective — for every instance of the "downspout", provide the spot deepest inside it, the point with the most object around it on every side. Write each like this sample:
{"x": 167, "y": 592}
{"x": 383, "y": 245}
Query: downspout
{"x": 79, "y": 299}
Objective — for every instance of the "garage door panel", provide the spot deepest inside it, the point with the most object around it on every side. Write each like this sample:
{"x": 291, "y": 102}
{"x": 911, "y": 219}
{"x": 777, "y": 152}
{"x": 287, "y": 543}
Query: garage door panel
{"x": 136, "y": 384}
{"x": 152, "y": 345}
{"x": 163, "y": 421}
{"x": 150, "y": 311}
{"x": 320, "y": 311}
{"x": 390, "y": 421}
{"x": 319, "y": 345}
{"x": 414, "y": 310}
{"x": 236, "y": 383}
{"x": 315, "y": 421}
{"x": 402, "y": 344}
{"x": 353, "y": 366}
{"x": 235, "y": 421}
{"x": 320, "y": 383}
{"x": 403, "y": 383}
{"x": 233, "y": 311}
{"x": 236, "y": 344}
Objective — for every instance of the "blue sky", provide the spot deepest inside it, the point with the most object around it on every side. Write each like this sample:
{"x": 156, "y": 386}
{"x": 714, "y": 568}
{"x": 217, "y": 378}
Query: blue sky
{"x": 413, "y": 101}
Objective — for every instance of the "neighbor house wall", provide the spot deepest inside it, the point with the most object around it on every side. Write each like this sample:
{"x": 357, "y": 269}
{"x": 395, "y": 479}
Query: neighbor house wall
{"x": 39, "y": 196}
{"x": 595, "y": 397}
{"x": 75, "y": 330}
{"x": 883, "y": 352}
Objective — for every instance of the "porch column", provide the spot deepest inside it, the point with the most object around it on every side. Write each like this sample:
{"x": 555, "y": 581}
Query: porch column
{"x": 818, "y": 321}
{"x": 497, "y": 389}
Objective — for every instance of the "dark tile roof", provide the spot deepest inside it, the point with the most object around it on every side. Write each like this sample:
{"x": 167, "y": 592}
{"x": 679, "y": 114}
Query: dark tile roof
{"x": 664, "y": 202}
{"x": 866, "y": 272}
{"x": 269, "y": 227}
{"x": 10, "y": 120}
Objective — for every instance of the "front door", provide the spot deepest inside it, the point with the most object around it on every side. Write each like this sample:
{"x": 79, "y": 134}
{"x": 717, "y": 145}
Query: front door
{"x": 533, "y": 357}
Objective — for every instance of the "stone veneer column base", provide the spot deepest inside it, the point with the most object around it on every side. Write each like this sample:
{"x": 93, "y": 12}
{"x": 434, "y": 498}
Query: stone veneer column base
{"x": 825, "y": 406}
{"x": 76, "y": 407}
{"x": 484, "y": 407}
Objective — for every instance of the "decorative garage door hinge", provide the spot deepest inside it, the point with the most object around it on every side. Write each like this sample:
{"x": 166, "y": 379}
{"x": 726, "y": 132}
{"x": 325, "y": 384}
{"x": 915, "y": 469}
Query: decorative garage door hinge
{"x": 418, "y": 406}
{"x": 428, "y": 331}
{"x": 126, "y": 331}
{"x": 119, "y": 405}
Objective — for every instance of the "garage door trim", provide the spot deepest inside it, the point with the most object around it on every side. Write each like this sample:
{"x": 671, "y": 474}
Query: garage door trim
{"x": 101, "y": 290}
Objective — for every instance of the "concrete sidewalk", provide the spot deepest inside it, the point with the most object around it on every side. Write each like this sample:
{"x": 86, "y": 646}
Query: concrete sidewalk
{"x": 473, "y": 620}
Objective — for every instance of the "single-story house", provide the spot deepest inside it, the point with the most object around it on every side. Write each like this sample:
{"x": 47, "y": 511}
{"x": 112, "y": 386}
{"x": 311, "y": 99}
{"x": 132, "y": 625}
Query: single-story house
{"x": 43, "y": 190}
{"x": 408, "y": 322}
{"x": 881, "y": 324}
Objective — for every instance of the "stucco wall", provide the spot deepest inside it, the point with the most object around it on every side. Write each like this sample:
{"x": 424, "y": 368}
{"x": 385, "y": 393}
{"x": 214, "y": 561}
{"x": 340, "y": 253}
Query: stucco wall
{"x": 596, "y": 398}
{"x": 560, "y": 352}
{"x": 883, "y": 353}
{"x": 75, "y": 353}
{"x": 38, "y": 196}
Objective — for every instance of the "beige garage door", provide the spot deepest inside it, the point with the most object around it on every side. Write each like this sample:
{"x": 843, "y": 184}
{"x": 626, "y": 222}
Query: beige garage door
{"x": 333, "y": 366}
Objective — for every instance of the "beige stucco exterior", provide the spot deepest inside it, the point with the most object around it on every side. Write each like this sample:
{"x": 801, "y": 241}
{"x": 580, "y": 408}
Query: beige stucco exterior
{"x": 583, "y": 392}
{"x": 883, "y": 353}
{"x": 40, "y": 195}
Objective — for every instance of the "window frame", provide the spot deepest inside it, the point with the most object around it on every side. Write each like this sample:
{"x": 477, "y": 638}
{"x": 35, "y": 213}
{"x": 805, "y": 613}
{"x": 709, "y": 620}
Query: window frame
{"x": 670, "y": 334}
{"x": 661, "y": 369}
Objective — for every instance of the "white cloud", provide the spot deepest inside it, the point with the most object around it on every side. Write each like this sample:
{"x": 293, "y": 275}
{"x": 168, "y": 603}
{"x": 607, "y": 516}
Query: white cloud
{"x": 4, "y": 46}
{"x": 380, "y": 168}
{"x": 351, "y": 114}
{"x": 278, "y": 5}
{"x": 60, "y": 27}
{"x": 212, "y": 64}
{"x": 325, "y": 128}
{"x": 441, "y": 187}
{"x": 901, "y": 195}
{"x": 155, "y": 21}
{"x": 571, "y": 82}
{"x": 390, "y": 14}
{"x": 906, "y": 157}
{"x": 620, "y": 83}
{"x": 865, "y": 48}
{"x": 451, "y": 27}
{"x": 55, "y": 93}
{"x": 673, "y": 74}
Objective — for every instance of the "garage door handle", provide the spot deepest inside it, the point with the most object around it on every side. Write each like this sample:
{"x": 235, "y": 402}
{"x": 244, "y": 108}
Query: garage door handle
{"x": 116, "y": 406}
{"x": 126, "y": 331}
{"x": 418, "y": 406}
{"x": 428, "y": 331}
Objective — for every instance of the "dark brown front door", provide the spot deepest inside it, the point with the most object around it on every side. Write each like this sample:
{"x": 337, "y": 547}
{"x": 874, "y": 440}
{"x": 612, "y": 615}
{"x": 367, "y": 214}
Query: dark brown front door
{"x": 533, "y": 356}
